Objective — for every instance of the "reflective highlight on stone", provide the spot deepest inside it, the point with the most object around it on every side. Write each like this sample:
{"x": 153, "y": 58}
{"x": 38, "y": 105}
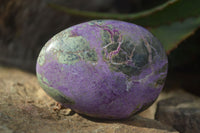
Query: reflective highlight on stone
{"x": 103, "y": 68}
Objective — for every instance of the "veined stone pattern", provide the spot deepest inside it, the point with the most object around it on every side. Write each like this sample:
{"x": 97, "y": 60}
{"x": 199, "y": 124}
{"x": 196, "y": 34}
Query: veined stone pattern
{"x": 103, "y": 68}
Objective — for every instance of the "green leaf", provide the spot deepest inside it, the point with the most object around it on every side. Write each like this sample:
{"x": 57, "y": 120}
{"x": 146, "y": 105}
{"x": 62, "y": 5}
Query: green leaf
{"x": 99, "y": 15}
{"x": 173, "y": 34}
{"x": 178, "y": 11}
{"x": 172, "y": 10}
{"x": 171, "y": 22}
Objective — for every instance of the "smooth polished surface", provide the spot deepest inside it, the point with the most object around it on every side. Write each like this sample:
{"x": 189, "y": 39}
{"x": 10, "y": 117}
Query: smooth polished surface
{"x": 103, "y": 68}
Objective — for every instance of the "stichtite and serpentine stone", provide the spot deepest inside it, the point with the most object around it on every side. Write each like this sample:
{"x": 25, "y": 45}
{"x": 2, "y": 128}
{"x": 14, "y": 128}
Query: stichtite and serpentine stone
{"x": 103, "y": 68}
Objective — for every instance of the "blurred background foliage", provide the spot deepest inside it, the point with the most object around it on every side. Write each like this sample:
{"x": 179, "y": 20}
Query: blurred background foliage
{"x": 171, "y": 22}
{"x": 26, "y": 25}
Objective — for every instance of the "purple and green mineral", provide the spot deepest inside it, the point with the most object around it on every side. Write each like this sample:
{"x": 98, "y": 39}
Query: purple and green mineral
{"x": 103, "y": 68}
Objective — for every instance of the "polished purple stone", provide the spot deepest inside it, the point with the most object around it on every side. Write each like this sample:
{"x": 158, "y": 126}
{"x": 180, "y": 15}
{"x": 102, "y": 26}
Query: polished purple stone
{"x": 103, "y": 68}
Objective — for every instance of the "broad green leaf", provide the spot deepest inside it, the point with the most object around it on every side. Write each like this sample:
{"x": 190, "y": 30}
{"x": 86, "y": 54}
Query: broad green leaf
{"x": 178, "y": 11}
{"x": 171, "y": 22}
{"x": 173, "y": 34}
{"x": 99, "y": 15}
{"x": 172, "y": 10}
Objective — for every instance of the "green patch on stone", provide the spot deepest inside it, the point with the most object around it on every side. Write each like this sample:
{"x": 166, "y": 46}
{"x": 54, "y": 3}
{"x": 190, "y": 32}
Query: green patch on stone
{"x": 112, "y": 47}
{"x": 96, "y": 22}
{"x": 160, "y": 81}
{"x": 109, "y": 26}
{"x": 106, "y": 37}
{"x": 45, "y": 80}
{"x": 74, "y": 49}
{"x": 126, "y": 69}
{"x": 162, "y": 69}
{"x": 141, "y": 54}
{"x": 41, "y": 58}
{"x": 115, "y": 37}
{"x": 120, "y": 57}
{"x": 75, "y": 44}
{"x": 156, "y": 46}
{"x": 126, "y": 59}
{"x": 127, "y": 46}
{"x": 54, "y": 93}
{"x": 68, "y": 58}
{"x": 61, "y": 35}
{"x": 90, "y": 55}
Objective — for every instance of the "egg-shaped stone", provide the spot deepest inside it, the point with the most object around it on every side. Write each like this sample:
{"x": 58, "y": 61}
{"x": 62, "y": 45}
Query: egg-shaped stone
{"x": 103, "y": 68}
